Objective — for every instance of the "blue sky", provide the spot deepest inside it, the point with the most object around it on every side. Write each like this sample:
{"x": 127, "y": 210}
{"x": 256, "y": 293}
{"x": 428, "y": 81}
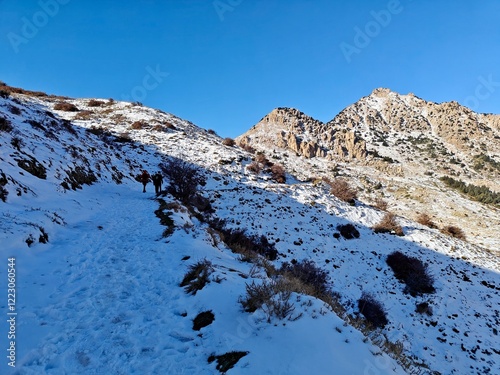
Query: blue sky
{"x": 224, "y": 64}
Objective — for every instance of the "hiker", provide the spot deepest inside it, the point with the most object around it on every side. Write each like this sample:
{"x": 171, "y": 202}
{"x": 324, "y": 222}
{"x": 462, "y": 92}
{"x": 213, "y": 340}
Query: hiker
{"x": 157, "y": 181}
{"x": 144, "y": 178}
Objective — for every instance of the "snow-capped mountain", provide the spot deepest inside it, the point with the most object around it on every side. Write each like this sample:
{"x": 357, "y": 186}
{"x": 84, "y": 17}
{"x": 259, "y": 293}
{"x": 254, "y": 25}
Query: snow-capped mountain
{"x": 403, "y": 143}
{"x": 97, "y": 266}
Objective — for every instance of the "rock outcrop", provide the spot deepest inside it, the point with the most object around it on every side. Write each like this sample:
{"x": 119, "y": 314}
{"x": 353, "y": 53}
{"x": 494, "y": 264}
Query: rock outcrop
{"x": 288, "y": 128}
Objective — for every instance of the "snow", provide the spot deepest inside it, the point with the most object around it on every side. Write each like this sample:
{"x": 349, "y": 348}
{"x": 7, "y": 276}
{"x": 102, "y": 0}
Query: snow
{"x": 103, "y": 295}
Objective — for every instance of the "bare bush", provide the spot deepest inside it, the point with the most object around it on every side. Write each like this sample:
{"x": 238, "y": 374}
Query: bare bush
{"x": 254, "y": 167}
{"x": 256, "y": 296}
{"x": 388, "y": 224}
{"x": 228, "y": 142}
{"x": 95, "y": 103}
{"x": 184, "y": 179}
{"x": 454, "y": 231}
{"x": 278, "y": 173}
{"x": 3, "y": 191}
{"x": 137, "y": 125}
{"x": 425, "y": 219}
{"x": 273, "y": 297}
{"x": 309, "y": 274}
{"x": 348, "y": 231}
{"x": 380, "y": 204}
{"x": 261, "y": 159}
{"x": 65, "y": 106}
{"x": 84, "y": 115}
{"x": 372, "y": 310}
{"x": 247, "y": 148}
{"x": 197, "y": 277}
{"x": 249, "y": 245}
{"x": 5, "y": 125}
{"x": 342, "y": 190}
{"x": 411, "y": 271}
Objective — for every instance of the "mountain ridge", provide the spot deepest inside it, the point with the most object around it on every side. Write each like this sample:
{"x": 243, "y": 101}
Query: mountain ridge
{"x": 403, "y": 143}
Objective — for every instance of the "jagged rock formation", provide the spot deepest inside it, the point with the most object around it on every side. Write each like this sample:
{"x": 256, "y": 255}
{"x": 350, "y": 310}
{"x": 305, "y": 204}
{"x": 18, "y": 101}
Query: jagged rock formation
{"x": 445, "y": 137}
{"x": 291, "y": 129}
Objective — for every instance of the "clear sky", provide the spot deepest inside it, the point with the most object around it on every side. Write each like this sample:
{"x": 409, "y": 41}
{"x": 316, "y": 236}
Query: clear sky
{"x": 224, "y": 64}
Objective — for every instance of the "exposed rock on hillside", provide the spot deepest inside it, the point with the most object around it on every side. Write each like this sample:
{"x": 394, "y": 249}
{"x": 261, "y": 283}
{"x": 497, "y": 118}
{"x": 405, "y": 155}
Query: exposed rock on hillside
{"x": 288, "y": 128}
{"x": 401, "y": 142}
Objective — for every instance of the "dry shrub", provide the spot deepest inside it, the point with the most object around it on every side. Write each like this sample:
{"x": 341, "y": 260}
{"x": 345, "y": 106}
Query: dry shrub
{"x": 388, "y": 224}
{"x": 348, "y": 231}
{"x": 15, "y": 110}
{"x": 372, "y": 310}
{"x": 124, "y": 138}
{"x": 3, "y": 191}
{"x": 137, "y": 125}
{"x": 411, "y": 271}
{"x": 197, "y": 277}
{"x": 454, "y": 231}
{"x": 247, "y": 148}
{"x": 7, "y": 90}
{"x": 95, "y": 103}
{"x": 261, "y": 159}
{"x": 425, "y": 219}
{"x": 5, "y": 125}
{"x": 4, "y": 94}
{"x": 65, "y": 106}
{"x": 226, "y": 361}
{"x": 306, "y": 278}
{"x": 254, "y": 167}
{"x": 248, "y": 245}
{"x": 380, "y": 204}
{"x": 169, "y": 125}
{"x": 228, "y": 142}
{"x": 184, "y": 179}
{"x": 278, "y": 173}
{"x": 84, "y": 115}
{"x": 342, "y": 190}
{"x": 271, "y": 296}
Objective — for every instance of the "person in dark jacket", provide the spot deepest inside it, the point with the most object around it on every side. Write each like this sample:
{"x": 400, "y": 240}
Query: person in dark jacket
{"x": 157, "y": 181}
{"x": 144, "y": 178}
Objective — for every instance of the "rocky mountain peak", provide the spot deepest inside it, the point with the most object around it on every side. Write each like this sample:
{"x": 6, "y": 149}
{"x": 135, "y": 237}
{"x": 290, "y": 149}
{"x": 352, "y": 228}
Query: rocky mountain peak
{"x": 289, "y": 128}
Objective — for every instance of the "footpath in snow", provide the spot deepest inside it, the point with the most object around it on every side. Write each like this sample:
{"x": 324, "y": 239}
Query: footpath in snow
{"x": 103, "y": 297}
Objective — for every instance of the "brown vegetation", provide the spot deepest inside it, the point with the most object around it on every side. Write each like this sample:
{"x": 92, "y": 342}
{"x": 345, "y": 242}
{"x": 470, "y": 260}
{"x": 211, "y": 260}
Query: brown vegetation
{"x": 454, "y": 231}
{"x": 388, "y": 224}
{"x": 228, "y": 142}
{"x": 342, "y": 190}
{"x": 65, "y": 106}
{"x": 425, "y": 219}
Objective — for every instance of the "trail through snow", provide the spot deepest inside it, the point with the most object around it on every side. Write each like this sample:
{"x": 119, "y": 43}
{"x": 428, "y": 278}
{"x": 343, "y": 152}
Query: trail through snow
{"x": 103, "y": 297}
{"x": 111, "y": 296}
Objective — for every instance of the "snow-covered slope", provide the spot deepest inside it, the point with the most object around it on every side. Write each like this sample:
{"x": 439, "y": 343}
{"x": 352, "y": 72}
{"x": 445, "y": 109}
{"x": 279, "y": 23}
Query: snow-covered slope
{"x": 98, "y": 288}
{"x": 403, "y": 144}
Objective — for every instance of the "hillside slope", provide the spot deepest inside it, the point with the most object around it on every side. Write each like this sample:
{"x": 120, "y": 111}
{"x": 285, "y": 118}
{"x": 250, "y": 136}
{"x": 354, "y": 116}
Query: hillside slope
{"x": 397, "y": 147}
{"x": 98, "y": 279}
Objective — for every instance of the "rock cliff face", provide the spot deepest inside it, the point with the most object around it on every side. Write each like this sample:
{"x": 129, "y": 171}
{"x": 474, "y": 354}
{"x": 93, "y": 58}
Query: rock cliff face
{"x": 288, "y": 128}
